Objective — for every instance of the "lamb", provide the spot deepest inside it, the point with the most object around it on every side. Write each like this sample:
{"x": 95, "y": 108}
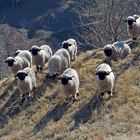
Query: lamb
{"x": 70, "y": 83}
{"x": 40, "y": 55}
{"x": 26, "y": 81}
{"x": 24, "y": 53}
{"x": 59, "y": 62}
{"x": 17, "y": 63}
{"x": 104, "y": 79}
{"x": 71, "y": 46}
{"x": 133, "y": 26}
{"x": 116, "y": 51}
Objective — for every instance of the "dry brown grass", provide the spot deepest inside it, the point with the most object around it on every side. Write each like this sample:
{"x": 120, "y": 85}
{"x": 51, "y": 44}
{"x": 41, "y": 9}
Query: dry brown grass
{"x": 49, "y": 117}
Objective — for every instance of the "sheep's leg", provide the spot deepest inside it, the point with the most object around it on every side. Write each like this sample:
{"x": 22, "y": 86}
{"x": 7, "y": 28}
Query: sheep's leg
{"x": 75, "y": 55}
{"x": 72, "y": 57}
{"x": 110, "y": 93}
{"x": 41, "y": 68}
{"x": 37, "y": 67}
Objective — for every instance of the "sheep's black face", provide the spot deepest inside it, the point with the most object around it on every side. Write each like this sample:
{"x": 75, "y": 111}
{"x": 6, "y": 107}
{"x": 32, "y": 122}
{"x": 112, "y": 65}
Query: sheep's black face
{"x": 64, "y": 80}
{"x": 34, "y": 51}
{"x": 10, "y": 62}
{"x": 108, "y": 52}
{"x": 65, "y": 45}
{"x": 130, "y": 22}
{"x": 21, "y": 76}
{"x": 102, "y": 75}
{"x": 53, "y": 78}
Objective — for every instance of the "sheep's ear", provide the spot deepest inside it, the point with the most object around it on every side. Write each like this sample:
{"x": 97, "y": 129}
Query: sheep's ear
{"x": 125, "y": 20}
{"x": 6, "y": 61}
{"x": 57, "y": 74}
{"x": 16, "y": 75}
{"x": 70, "y": 78}
{"x": 134, "y": 20}
{"x": 39, "y": 49}
{"x": 47, "y": 75}
{"x": 30, "y": 50}
{"x": 59, "y": 78}
{"x": 60, "y": 44}
{"x": 107, "y": 73}
{"x": 16, "y": 53}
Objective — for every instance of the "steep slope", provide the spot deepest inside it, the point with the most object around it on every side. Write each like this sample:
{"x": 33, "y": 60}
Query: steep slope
{"x": 33, "y": 15}
{"x": 48, "y": 116}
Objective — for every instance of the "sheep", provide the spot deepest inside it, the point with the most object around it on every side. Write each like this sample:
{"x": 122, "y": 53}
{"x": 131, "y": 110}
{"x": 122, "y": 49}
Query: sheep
{"x": 133, "y": 26}
{"x": 40, "y": 55}
{"x": 17, "y": 63}
{"x": 71, "y": 46}
{"x": 70, "y": 82}
{"x": 26, "y": 81}
{"x": 59, "y": 62}
{"x": 104, "y": 79}
{"x": 116, "y": 51}
{"x": 24, "y": 53}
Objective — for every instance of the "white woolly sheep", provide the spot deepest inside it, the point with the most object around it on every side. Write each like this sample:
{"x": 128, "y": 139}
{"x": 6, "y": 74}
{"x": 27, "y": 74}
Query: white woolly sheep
{"x": 59, "y": 62}
{"x": 40, "y": 55}
{"x": 70, "y": 82}
{"x": 116, "y": 51}
{"x": 71, "y": 46}
{"x": 26, "y": 81}
{"x": 104, "y": 79}
{"x": 24, "y": 53}
{"x": 133, "y": 26}
{"x": 17, "y": 63}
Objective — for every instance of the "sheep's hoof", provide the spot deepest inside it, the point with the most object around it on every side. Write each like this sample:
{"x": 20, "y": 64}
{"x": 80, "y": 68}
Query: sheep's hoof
{"x": 102, "y": 94}
{"x": 28, "y": 95}
{"x": 23, "y": 98}
{"x": 77, "y": 94}
{"x": 110, "y": 94}
{"x": 34, "y": 88}
{"x": 75, "y": 99}
{"x": 67, "y": 100}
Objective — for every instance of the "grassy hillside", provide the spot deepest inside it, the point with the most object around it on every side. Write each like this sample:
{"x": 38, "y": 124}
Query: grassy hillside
{"x": 48, "y": 116}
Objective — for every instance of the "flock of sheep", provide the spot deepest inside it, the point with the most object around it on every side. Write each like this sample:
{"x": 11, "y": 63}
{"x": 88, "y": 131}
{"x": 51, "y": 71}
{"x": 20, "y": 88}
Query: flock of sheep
{"x": 21, "y": 65}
